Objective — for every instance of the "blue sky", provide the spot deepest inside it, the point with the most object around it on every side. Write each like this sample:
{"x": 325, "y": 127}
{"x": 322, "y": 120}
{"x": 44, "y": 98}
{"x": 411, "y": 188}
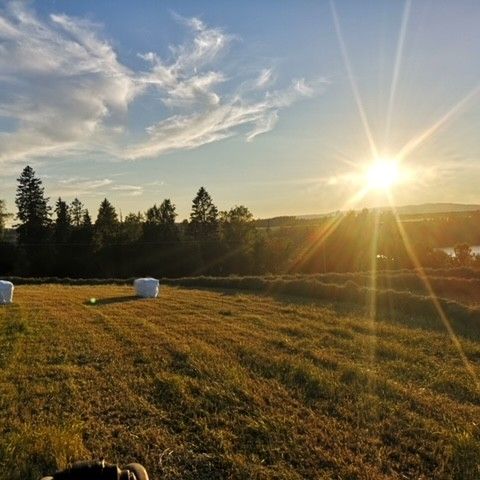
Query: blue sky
{"x": 139, "y": 101}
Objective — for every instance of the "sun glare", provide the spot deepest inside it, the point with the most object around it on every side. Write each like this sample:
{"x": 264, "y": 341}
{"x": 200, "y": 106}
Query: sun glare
{"x": 382, "y": 174}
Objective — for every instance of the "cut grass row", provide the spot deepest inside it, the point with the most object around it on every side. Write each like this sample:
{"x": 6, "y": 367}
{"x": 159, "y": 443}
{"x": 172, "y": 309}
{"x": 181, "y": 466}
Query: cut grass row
{"x": 209, "y": 385}
{"x": 405, "y": 306}
{"x": 465, "y": 319}
{"x": 464, "y": 290}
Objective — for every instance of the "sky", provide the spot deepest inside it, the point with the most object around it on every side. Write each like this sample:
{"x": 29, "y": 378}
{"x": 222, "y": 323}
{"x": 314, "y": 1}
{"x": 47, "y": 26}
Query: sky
{"x": 279, "y": 106}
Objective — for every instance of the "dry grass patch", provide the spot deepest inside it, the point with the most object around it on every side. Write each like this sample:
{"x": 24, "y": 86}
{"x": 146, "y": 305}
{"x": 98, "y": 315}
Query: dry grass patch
{"x": 204, "y": 385}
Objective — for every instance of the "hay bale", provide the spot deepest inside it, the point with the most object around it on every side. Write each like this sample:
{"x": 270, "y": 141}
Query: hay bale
{"x": 6, "y": 292}
{"x": 146, "y": 287}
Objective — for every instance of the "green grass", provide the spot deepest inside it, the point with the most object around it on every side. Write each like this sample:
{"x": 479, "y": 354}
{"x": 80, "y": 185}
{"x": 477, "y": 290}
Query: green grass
{"x": 203, "y": 384}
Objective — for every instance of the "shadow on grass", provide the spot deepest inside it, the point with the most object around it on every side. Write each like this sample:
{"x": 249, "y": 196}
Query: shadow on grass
{"x": 464, "y": 327}
{"x": 110, "y": 300}
{"x": 229, "y": 293}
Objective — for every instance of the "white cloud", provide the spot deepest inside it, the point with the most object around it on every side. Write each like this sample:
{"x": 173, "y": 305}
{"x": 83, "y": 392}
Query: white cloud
{"x": 263, "y": 125}
{"x": 207, "y": 44}
{"x": 181, "y": 81}
{"x": 303, "y": 89}
{"x": 59, "y": 83}
{"x": 215, "y": 123}
{"x": 64, "y": 90}
{"x": 264, "y": 79}
{"x": 129, "y": 190}
{"x": 76, "y": 186}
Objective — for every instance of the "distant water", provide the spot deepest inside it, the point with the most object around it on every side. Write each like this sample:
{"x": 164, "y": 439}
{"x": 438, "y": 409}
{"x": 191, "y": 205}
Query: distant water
{"x": 450, "y": 251}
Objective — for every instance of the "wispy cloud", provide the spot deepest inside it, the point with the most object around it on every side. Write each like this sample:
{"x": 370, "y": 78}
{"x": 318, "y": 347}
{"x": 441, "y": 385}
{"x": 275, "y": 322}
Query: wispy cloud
{"x": 59, "y": 82}
{"x": 129, "y": 190}
{"x": 96, "y": 187}
{"x": 213, "y": 124}
{"x": 265, "y": 79}
{"x": 263, "y": 125}
{"x": 76, "y": 186}
{"x": 65, "y": 90}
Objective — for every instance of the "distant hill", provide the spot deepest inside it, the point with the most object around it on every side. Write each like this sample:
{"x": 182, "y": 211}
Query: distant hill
{"x": 415, "y": 209}
{"x": 421, "y": 209}
{"x": 435, "y": 208}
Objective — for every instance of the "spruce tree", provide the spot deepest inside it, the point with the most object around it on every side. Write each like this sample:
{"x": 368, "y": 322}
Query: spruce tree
{"x": 87, "y": 220}
{"x": 76, "y": 212}
{"x": 33, "y": 210}
{"x": 167, "y": 217}
{"x": 204, "y": 216}
{"x": 106, "y": 225}
{"x": 83, "y": 235}
{"x": 62, "y": 222}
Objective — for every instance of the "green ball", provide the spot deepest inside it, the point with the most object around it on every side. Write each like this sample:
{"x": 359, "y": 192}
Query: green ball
{"x": 93, "y": 301}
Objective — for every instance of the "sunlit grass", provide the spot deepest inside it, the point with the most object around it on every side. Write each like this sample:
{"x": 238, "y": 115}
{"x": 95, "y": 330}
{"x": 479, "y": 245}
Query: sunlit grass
{"x": 204, "y": 384}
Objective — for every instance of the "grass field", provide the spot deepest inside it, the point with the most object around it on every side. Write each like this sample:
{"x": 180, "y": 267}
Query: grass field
{"x": 203, "y": 384}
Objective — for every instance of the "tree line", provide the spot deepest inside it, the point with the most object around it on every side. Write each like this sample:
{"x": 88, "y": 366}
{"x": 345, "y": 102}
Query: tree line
{"x": 64, "y": 240}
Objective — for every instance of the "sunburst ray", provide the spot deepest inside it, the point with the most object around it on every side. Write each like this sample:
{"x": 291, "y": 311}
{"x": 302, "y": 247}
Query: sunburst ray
{"x": 432, "y": 295}
{"x": 415, "y": 142}
{"x": 396, "y": 68}
{"x": 353, "y": 83}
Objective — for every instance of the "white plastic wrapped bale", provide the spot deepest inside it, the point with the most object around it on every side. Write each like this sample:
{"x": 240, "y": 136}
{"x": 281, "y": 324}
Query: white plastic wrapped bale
{"x": 146, "y": 287}
{"x": 6, "y": 292}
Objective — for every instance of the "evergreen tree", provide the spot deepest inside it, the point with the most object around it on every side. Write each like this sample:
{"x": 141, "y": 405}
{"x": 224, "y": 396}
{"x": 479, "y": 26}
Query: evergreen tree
{"x": 33, "y": 209}
{"x": 204, "y": 216}
{"x": 87, "y": 220}
{"x": 81, "y": 255}
{"x": 106, "y": 225}
{"x": 62, "y": 222}
{"x": 83, "y": 235}
{"x": 76, "y": 212}
{"x": 168, "y": 214}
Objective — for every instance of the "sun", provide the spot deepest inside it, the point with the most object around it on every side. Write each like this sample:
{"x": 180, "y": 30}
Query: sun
{"x": 382, "y": 174}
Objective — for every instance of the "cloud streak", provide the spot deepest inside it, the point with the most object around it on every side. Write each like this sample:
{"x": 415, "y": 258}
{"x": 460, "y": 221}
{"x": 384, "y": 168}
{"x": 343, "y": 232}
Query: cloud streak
{"x": 64, "y": 90}
{"x": 184, "y": 132}
{"x": 76, "y": 186}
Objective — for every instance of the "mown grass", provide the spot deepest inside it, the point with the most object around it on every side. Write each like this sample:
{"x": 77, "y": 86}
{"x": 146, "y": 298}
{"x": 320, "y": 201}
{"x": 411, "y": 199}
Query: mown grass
{"x": 203, "y": 384}
{"x": 464, "y": 290}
